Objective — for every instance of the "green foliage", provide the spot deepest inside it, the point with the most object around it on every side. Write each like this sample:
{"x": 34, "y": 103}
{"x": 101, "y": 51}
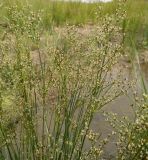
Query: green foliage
{"x": 54, "y": 89}
{"x": 51, "y": 86}
{"x": 132, "y": 134}
{"x": 56, "y": 13}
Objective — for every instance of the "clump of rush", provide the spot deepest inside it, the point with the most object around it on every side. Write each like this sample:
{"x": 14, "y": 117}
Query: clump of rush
{"x": 51, "y": 86}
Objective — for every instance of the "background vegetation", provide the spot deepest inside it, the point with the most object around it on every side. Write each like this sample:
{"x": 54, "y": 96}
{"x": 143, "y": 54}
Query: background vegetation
{"x": 60, "y": 13}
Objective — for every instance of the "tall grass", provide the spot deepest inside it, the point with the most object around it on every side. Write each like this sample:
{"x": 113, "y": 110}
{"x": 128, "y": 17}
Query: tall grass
{"x": 57, "y": 13}
{"x": 54, "y": 89}
{"x": 132, "y": 133}
{"x": 51, "y": 87}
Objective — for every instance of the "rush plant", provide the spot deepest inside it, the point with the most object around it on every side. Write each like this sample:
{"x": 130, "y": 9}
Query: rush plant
{"x": 50, "y": 88}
